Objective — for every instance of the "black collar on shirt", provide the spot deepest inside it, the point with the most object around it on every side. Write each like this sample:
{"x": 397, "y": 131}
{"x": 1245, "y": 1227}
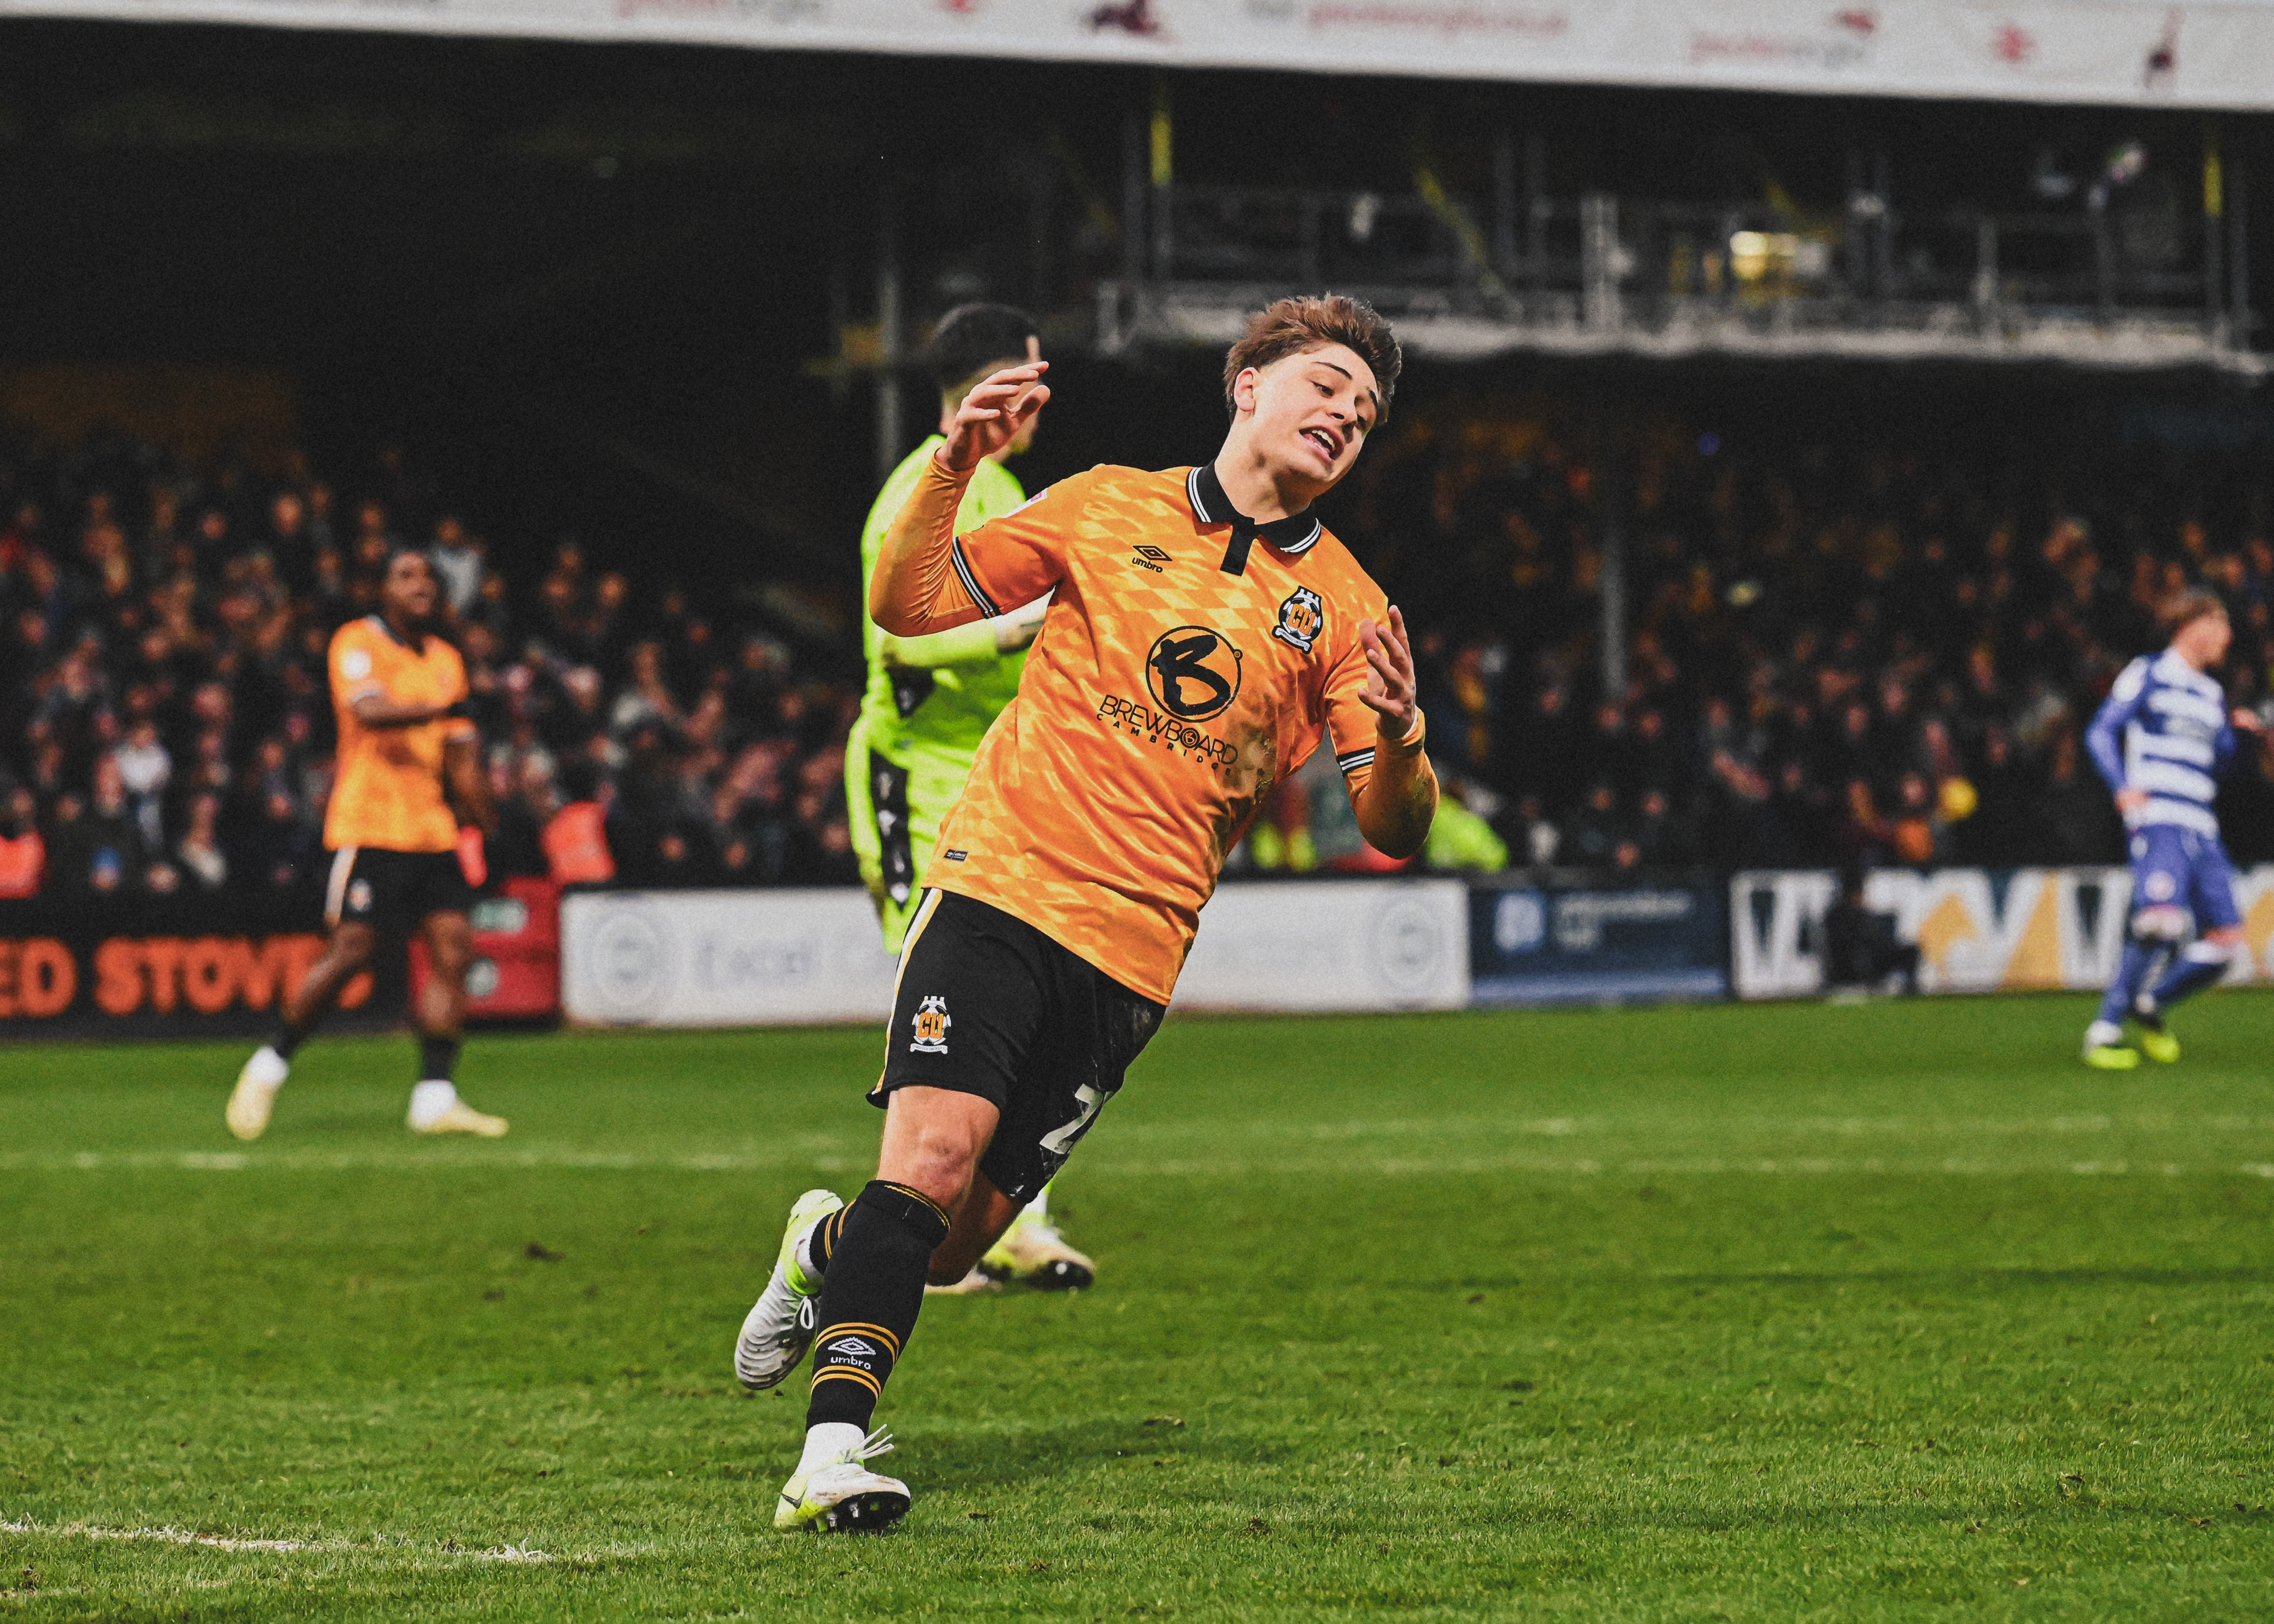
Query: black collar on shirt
{"x": 1293, "y": 534}
{"x": 415, "y": 643}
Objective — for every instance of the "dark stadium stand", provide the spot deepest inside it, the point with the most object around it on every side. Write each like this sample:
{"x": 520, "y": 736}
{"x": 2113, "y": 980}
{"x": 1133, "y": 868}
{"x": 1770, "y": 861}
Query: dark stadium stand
{"x": 1846, "y": 652}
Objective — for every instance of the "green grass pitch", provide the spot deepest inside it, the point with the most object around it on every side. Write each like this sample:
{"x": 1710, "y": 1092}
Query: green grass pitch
{"x": 1715, "y": 1312}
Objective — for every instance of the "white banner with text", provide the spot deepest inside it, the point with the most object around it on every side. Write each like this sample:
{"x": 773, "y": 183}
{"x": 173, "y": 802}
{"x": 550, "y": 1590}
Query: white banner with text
{"x": 1976, "y": 929}
{"x": 761, "y": 957}
{"x": 2125, "y": 52}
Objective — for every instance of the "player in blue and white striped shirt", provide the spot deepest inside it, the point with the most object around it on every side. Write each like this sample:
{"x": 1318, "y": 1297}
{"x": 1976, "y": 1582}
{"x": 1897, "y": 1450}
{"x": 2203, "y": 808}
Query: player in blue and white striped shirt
{"x": 2161, "y": 741}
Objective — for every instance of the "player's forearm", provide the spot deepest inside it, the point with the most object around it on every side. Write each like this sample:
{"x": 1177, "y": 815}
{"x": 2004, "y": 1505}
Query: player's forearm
{"x": 372, "y": 711}
{"x": 1399, "y": 799}
{"x": 913, "y": 589}
{"x": 469, "y": 788}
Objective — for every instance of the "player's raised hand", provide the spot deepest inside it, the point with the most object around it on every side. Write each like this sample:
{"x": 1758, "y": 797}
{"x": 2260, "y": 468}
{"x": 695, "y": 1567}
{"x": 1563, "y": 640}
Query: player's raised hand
{"x": 992, "y": 415}
{"x": 1391, "y": 688}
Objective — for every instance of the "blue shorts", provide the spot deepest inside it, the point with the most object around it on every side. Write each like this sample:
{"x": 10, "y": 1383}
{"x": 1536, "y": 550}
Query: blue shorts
{"x": 2172, "y": 866}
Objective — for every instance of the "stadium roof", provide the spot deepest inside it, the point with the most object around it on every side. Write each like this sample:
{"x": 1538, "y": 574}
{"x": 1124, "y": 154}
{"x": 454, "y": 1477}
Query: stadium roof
{"x": 2143, "y": 53}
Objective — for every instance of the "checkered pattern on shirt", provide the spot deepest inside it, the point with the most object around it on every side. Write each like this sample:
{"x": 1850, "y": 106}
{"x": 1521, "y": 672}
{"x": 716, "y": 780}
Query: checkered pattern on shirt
{"x": 1091, "y": 813}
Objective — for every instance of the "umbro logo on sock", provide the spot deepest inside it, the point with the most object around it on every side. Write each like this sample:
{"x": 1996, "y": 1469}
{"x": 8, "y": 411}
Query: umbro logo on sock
{"x": 852, "y": 1345}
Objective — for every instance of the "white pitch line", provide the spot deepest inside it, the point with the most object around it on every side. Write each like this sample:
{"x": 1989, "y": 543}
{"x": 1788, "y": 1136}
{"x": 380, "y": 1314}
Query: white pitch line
{"x": 220, "y": 1542}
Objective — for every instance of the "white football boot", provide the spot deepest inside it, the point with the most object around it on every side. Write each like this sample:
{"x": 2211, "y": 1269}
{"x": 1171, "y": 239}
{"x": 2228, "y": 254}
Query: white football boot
{"x": 779, "y": 1327}
{"x": 435, "y": 1108}
{"x": 841, "y": 1495}
{"x": 255, "y": 1094}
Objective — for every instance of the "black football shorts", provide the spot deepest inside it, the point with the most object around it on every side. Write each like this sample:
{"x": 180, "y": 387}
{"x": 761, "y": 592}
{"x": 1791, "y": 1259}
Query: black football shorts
{"x": 394, "y": 891}
{"x": 988, "y": 1005}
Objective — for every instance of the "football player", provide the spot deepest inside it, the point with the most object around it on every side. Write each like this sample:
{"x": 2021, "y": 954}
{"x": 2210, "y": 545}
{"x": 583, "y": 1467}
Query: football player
{"x": 2162, "y": 739}
{"x": 1205, "y": 635}
{"x": 400, "y": 862}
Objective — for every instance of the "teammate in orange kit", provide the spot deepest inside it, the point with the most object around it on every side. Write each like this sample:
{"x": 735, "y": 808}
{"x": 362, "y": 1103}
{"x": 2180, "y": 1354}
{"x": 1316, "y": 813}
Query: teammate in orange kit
{"x": 1205, "y": 635}
{"x": 399, "y": 861}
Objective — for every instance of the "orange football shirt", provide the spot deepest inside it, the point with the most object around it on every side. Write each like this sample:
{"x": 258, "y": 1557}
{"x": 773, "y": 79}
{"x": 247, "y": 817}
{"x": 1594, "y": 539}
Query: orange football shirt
{"x": 387, "y": 789}
{"x": 1165, "y": 698}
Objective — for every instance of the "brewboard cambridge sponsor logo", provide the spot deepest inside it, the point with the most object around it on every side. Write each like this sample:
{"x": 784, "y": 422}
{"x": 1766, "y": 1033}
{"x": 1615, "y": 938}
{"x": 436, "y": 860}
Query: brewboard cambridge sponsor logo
{"x": 1193, "y": 673}
{"x": 1164, "y": 730}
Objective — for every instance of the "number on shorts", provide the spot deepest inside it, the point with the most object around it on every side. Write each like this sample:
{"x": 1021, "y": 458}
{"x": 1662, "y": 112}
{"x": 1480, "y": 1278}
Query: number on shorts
{"x": 1060, "y": 1141}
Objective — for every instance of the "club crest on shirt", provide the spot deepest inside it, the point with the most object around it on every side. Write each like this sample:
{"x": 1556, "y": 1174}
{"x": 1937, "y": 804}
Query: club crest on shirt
{"x": 1302, "y": 617}
{"x": 1193, "y": 673}
{"x": 932, "y": 1021}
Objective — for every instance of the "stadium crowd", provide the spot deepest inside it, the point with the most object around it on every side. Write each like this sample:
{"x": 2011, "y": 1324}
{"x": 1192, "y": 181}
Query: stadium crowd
{"x": 1847, "y": 653}
{"x": 165, "y": 725}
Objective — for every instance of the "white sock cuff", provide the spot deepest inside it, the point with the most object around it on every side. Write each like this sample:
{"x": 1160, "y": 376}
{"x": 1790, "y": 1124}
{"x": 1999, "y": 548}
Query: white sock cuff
{"x": 267, "y": 1066}
{"x": 430, "y": 1100}
{"x": 2209, "y": 953}
{"x": 826, "y": 1441}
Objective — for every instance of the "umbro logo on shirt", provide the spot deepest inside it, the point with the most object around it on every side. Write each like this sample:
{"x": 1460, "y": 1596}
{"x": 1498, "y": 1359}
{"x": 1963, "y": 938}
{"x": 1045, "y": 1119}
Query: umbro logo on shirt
{"x": 1150, "y": 558}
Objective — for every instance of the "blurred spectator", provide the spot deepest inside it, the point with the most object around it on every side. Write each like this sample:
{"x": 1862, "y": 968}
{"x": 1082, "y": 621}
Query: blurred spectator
{"x": 1860, "y": 949}
{"x": 198, "y": 851}
{"x": 23, "y": 853}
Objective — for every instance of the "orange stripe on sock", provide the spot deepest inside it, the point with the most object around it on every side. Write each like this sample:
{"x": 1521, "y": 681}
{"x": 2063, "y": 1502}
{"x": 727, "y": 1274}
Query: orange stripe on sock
{"x": 844, "y": 1326}
{"x": 846, "y": 1372}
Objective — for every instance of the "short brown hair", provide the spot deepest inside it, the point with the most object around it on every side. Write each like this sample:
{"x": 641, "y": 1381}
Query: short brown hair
{"x": 1306, "y": 322}
{"x": 2187, "y": 605}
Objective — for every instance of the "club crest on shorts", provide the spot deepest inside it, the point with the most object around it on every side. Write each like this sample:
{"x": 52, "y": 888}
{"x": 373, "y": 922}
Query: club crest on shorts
{"x": 1302, "y": 617}
{"x": 932, "y": 1021}
{"x": 359, "y": 897}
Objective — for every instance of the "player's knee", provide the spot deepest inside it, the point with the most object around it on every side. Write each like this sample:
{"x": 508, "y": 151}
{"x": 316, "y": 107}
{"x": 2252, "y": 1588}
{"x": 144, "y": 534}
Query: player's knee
{"x": 939, "y": 1164}
{"x": 2160, "y": 922}
{"x": 352, "y": 944}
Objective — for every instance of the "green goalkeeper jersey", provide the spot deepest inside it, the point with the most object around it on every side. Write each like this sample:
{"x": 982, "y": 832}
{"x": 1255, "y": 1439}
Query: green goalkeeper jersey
{"x": 947, "y": 710}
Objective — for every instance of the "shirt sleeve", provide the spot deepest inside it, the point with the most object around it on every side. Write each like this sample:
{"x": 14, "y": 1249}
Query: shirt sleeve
{"x": 2103, "y": 739}
{"x": 1007, "y": 563}
{"x": 1351, "y": 726}
{"x": 457, "y": 728}
{"x": 355, "y": 671}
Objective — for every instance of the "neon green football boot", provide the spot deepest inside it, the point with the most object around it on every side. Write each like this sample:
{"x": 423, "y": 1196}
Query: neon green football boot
{"x": 779, "y": 1327}
{"x": 2157, "y": 1044}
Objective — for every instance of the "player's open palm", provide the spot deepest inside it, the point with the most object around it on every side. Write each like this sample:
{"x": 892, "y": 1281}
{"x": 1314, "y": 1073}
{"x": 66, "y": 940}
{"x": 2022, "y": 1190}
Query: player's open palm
{"x": 993, "y": 413}
{"x": 1391, "y": 688}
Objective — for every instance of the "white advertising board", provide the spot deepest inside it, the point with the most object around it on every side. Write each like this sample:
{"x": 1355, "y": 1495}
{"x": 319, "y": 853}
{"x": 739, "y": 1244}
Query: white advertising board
{"x": 2125, "y": 52}
{"x": 2019, "y": 930}
{"x": 1331, "y": 944}
{"x": 722, "y": 957}
{"x": 760, "y": 957}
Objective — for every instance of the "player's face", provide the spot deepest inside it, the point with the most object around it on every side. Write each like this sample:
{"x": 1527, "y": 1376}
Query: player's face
{"x": 1311, "y": 411}
{"x": 409, "y": 589}
{"x": 2202, "y": 641}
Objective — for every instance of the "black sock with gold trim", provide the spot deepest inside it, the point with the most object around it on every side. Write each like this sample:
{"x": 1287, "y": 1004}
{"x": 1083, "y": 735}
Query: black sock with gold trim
{"x": 870, "y": 1297}
{"x": 821, "y": 1240}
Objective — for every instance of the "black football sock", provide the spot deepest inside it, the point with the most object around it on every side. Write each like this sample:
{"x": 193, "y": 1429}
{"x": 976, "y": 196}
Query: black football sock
{"x": 821, "y": 1240}
{"x": 870, "y": 1299}
{"x": 290, "y": 1037}
{"x": 438, "y": 1057}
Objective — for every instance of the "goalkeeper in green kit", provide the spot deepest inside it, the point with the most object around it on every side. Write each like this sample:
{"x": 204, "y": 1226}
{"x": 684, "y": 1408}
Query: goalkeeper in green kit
{"x": 929, "y": 701}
